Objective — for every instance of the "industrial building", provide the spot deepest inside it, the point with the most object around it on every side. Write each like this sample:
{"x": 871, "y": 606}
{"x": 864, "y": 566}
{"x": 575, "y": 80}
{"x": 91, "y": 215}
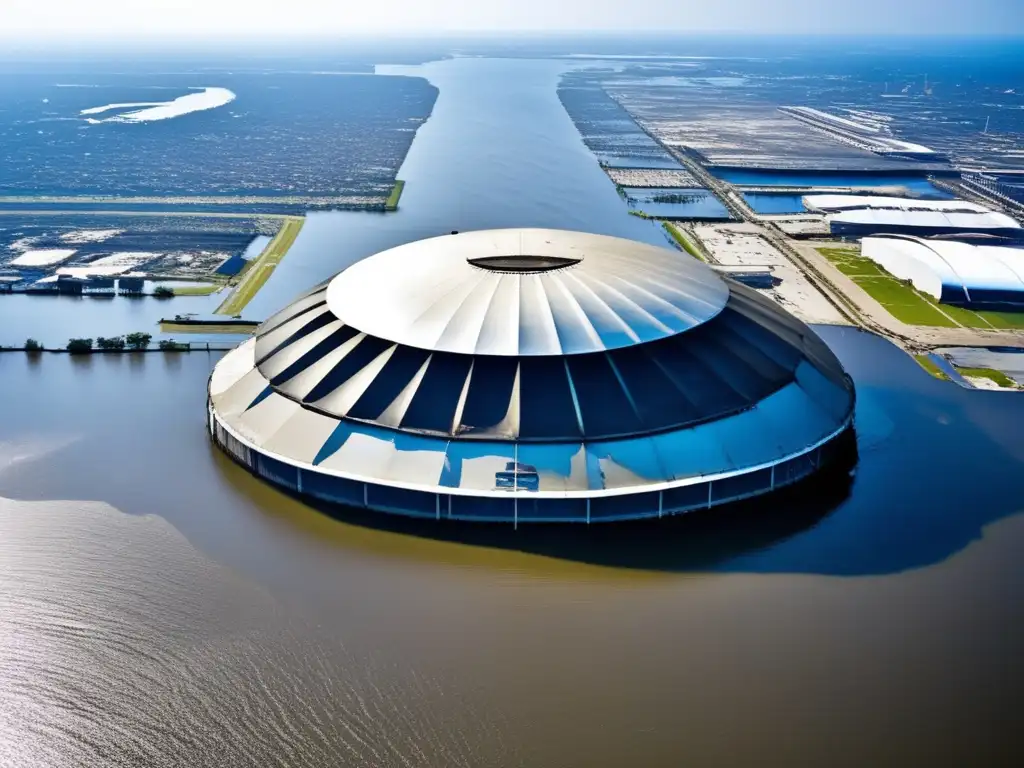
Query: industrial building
{"x": 833, "y": 203}
{"x": 530, "y": 375}
{"x": 977, "y": 276}
{"x": 132, "y": 284}
{"x": 864, "y": 215}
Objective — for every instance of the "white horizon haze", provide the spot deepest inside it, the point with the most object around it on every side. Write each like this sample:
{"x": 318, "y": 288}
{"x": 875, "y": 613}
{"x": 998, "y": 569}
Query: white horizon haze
{"x": 170, "y": 20}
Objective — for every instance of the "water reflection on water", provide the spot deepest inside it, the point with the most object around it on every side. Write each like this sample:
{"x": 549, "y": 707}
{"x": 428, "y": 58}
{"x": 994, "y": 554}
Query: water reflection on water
{"x": 144, "y": 416}
{"x": 123, "y": 645}
{"x": 52, "y": 320}
{"x": 257, "y": 631}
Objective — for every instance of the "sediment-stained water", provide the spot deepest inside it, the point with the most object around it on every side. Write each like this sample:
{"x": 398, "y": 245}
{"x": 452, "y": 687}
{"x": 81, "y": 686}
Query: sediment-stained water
{"x": 188, "y": 613}
{"x": 122, "y": 644}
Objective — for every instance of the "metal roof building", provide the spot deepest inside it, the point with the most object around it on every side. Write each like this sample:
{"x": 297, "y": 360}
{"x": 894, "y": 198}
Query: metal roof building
{"x": 868, "y": 221}
{"x": 864, "y": 215}
{"x": 952, "y": 272}
{"x": 833, "y": 203}
{"x": 530, "y": 376}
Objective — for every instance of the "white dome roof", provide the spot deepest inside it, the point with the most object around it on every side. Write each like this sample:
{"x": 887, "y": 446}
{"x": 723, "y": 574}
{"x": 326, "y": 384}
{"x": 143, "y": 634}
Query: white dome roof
{"x": 525, "y": 292}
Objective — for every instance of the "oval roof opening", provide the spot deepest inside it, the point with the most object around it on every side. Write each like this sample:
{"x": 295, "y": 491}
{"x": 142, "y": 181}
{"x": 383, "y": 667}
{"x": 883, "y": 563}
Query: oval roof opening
{"x": 520, "y": 264}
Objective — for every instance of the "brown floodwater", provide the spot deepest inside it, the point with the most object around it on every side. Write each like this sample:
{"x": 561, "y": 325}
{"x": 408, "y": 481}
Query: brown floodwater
{"x": 174, "y": 610}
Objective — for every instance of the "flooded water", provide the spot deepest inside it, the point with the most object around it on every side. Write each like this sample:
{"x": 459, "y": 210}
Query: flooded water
{"x": 53, "y": 319}
{"x": 152, "y": 244}
{"x": 915, "y": 186}
{"x": 674, "y": 202}
{"x": 160, "y": 606}
{"x": 628, "y": 161}
{"x": 763, "y": 202}
{"x": 184, "y": 612}
{"x": 498, "y": 151}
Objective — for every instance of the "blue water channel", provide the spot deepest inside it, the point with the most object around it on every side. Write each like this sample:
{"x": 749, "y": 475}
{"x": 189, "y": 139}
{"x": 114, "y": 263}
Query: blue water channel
{"x": 917, "y": 186}
{"x": 766, "y": 202}
{"x": 499, "y": 150}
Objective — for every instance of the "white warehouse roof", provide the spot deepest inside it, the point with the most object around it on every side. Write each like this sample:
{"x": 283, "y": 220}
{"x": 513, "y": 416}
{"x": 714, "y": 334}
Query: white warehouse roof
{"x": 925, "y": 220}
{"x": 951, "y": 271}
{"x": 830, "y": 203}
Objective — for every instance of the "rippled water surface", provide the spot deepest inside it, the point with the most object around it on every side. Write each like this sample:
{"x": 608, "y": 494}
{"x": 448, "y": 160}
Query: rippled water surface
{"x": 192, "y": 614}
{"x": 161, "y": 607}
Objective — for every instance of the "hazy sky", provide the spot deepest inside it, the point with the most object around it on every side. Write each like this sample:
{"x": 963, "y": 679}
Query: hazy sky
{"x": 217, "y": 18}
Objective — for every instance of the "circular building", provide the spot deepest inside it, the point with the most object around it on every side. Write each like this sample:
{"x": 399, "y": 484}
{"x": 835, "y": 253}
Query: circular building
{"x": 530, "y": 375}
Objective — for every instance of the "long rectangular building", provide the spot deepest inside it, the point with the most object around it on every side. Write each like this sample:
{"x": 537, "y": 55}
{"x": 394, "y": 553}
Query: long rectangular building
{"x": 865, "y": 215}
{"x": 834, "y": 203}
{"x": 953, "y": 272}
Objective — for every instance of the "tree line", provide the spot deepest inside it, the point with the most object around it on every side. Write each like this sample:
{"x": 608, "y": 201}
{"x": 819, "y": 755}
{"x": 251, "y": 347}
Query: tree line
{"x": 136, "y": 342}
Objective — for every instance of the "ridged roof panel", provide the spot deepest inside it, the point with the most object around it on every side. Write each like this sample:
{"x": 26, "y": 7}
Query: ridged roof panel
{"x": 593, "y": 293}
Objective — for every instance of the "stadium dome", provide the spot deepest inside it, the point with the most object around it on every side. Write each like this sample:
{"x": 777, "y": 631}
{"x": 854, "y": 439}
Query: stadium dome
{"x": 531, "y": 376}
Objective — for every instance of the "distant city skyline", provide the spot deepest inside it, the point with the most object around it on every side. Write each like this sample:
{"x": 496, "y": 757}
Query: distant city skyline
{"x": 170, "y": 19}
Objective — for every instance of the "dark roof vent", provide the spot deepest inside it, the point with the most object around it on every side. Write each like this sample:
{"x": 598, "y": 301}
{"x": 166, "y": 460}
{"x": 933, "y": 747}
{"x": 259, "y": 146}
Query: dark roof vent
{"x": 523, "y": 264}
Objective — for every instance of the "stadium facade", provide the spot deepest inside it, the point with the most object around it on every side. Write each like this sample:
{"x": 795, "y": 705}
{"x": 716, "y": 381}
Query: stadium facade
{"x": 530, "y": 375}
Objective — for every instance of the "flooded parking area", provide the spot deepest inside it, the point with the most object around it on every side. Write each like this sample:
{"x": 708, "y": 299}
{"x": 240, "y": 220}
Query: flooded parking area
{"x": 676, "y": 203}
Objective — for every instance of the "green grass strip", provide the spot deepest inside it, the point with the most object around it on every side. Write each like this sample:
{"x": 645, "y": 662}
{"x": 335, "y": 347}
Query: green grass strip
{"x": 967, "y": 318}
{"x": 683, "y": 241}
{"x": 196, "y": 290}
{"x": 905, "y": 305}
{"x": 1013, "y": 321}
{"x": 207, "y": 328}
{"x": 929, "y": 365}
{"x": 258, "y": 271}
{"x": 396, "y": 195}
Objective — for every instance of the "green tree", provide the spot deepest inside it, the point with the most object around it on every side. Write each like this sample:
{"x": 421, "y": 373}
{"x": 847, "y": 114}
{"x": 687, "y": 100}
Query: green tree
{"x": 170, "y": 345}
{"x": 79, "y": 346}
{"x": 31, "y": 345}
{"x": 163, "y": 292}
{"x": 138, "y": 340}
{"x": 115, "y": 342}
